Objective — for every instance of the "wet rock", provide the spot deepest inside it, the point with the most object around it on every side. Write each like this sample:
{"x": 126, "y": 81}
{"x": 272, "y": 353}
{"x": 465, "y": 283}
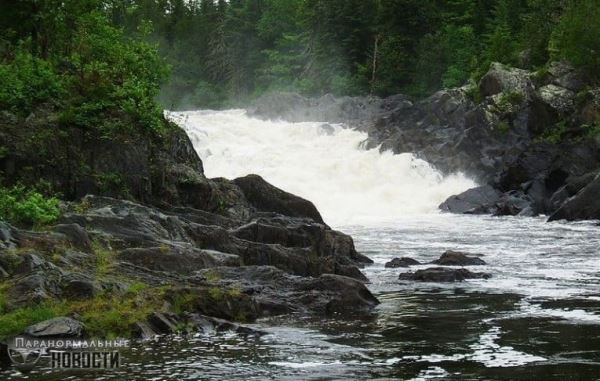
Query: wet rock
{"x": 585, "y": 205}
{"x": 514, "y": 203}
{"x": 143, "y": 330}
{"x": 267, "y": 198}
{"x": 208, "y": 324}
{"x": 57, "y": 327}
{"x": 402, "y": 262}
{"x": 442, "y": 274}
{"x": 326, "y": 129}
{"x": 480, "y": 200}
{"x": 457, "y": 258}
{"x": 274, "y": 292}
{"x": 161, "y": 323}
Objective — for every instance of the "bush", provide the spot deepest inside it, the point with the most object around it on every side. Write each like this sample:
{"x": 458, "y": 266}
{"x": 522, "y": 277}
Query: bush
{"x": 27, "y": 207}
{"x": 27, "y": 81}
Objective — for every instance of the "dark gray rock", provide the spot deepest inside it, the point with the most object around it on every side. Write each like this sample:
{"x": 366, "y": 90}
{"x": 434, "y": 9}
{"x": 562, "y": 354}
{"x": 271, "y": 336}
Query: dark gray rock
{"x": 57, "y": 327}
{"x": 177, "y": 259}
{"x": 79, "y": 286}
{"x": 267, "y": 198}
{"x": 501, "y": 78}
{"x": 402, "y": 262}
{"x": 274, "y": 292}
{"x": 514, "y": 203}
{"x": 480, "y": 200}
{"x": 457, "y": 258}
{"x": 585, "y": 205}
{"x": 76, "y": 235}
{"x": 442, "y": 274}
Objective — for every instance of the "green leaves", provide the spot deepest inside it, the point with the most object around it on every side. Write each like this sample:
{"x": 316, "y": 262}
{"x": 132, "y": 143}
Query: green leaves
{"x": 21, "y": 206}
{"x": 26, "y": 81}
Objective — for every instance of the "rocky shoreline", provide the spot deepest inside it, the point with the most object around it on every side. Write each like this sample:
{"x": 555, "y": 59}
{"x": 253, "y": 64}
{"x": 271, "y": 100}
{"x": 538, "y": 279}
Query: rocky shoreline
{"x": 531, "y": 139}
{"x": 170, "y": 250}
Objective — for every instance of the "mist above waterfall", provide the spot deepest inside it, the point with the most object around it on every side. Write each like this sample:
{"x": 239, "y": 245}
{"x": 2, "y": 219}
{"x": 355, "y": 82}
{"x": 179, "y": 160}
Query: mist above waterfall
{"x": 322, "y": 163}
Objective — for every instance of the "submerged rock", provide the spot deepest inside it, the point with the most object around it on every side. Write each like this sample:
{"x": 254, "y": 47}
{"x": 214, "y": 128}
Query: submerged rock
{"x": 442, "y": 274}
{"x": 457, "y": 258}
{"x": 402, "y": 262}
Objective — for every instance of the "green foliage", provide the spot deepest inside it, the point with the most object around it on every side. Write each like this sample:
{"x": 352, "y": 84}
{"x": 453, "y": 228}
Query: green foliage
{"x": 592, "y": 130}
{"x": 555, "y": 134}
{"x": 27, "y": 81}
{"x": 23, "y": 206}
{"x": 102, "y": 81}
{"x": 14, "y": 322}
{"x": 508, "y": 101}
{"x": 576, "y": 36}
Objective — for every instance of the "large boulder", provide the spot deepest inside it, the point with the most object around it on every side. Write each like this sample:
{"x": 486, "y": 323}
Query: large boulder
{"x": 504, "y": 79}
{"x": 268, "y": 198}
{"x": 480, "y": 200}
{"x": 585, "y": 205}
{"x": 549, "y": 105}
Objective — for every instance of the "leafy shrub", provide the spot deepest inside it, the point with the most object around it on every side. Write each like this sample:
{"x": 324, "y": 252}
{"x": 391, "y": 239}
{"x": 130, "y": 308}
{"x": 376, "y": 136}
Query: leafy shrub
{"x": 27, "y": 81}
{"x": 555, "y": 135}
{"x": 27, "y": 207}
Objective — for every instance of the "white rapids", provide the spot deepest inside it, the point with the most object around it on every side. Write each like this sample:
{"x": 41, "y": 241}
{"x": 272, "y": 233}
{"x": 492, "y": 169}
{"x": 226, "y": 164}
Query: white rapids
{"x": 324, "y": 164}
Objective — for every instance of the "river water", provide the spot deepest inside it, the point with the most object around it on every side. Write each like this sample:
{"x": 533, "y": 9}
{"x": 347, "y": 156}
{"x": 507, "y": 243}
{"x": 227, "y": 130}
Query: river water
{"x": 537, "y": 318}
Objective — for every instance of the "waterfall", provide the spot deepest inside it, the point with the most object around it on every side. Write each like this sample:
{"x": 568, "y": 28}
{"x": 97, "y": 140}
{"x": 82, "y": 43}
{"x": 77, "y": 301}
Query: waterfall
{"x": 324, "y": 163}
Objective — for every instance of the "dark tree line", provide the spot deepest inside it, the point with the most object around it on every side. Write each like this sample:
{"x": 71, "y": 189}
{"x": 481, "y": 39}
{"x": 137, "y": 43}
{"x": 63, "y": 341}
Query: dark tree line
{"x": 221, "y": 51}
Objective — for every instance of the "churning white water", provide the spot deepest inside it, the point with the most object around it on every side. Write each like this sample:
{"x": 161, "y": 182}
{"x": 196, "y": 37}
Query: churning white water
{"x": 320, "y": 162}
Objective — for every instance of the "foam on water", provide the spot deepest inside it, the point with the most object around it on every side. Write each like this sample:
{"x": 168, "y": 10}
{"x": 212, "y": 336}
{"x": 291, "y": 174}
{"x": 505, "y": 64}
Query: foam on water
{"x": 326, "y": 165}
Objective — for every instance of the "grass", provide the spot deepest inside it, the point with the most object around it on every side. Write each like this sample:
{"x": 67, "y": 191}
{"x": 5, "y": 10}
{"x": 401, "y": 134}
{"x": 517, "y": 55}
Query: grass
{"x": 105, "y": 258}
{"x": 16, "y": 321}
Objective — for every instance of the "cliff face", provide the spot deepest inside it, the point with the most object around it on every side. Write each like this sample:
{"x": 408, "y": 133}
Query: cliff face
{"x": 532, "y": 138}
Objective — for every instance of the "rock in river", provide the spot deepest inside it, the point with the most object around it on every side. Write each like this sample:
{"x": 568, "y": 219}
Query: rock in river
{"x": 457, "y": 258}
{"x": 442, "y": 274}
{"x": 402, "y": 262}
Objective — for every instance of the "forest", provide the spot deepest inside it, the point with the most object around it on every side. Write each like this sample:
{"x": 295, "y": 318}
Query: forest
{"x": 222, "y": 53}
